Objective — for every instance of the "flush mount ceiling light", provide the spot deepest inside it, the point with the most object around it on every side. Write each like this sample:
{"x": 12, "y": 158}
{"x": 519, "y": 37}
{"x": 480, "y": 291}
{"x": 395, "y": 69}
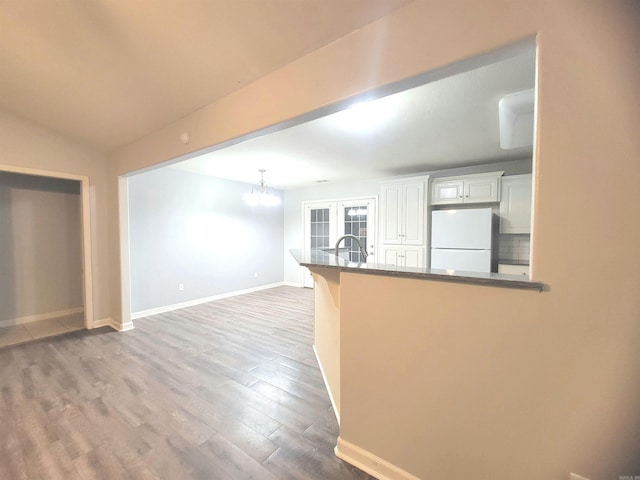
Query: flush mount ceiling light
{"x": 260, "y": 196}
{"x": 367, "y": 116}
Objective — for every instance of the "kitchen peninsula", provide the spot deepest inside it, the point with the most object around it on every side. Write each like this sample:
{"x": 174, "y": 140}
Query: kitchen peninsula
{"x": 321, "y": 259}
{"x": 390, "y": 341}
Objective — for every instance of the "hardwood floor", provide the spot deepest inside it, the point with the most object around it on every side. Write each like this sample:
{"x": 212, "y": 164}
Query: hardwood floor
{"x": 225, "y": 390}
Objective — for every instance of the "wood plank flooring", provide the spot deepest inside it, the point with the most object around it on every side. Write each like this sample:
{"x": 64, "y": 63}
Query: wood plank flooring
{"x": 225, "y": 390}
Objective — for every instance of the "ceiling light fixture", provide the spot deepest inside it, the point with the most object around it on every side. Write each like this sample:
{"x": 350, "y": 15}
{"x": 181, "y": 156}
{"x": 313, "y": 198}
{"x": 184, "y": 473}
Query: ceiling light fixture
{"x": 260, "y": 196}
{"x": 365, "y": 116}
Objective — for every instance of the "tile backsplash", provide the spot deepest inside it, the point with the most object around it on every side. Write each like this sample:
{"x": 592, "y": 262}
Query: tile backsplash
{"x": 514, "y": 247}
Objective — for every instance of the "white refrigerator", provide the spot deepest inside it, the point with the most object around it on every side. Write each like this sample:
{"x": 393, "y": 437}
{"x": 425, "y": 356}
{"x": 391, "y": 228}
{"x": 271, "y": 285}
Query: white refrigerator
{"x": 461, "y": 239}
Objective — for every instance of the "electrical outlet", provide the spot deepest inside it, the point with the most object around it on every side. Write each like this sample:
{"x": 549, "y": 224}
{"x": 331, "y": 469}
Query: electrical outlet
{"x": 255, "y": 275}
{"x": 181, "y": 287}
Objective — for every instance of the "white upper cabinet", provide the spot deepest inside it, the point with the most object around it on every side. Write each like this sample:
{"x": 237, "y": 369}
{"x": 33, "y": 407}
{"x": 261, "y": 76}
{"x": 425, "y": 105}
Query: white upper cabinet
{"x": 447, "y": 191}
{"x": 482, "y": 189}
{"x": 391, "y": 210}
{"x": 403, "y": 212}
{"x": 413, "y": 213}
{"x": 478, "y": 188}
{"x": 515, "y": 204}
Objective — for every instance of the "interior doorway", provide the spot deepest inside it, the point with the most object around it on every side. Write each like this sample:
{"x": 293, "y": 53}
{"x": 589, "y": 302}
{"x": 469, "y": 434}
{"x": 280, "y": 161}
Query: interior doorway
{"x": 45, "y": 287}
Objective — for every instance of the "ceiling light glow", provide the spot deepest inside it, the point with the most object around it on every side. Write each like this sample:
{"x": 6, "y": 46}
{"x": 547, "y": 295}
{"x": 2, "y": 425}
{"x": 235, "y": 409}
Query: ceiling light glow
{"x": 364, "y": 116}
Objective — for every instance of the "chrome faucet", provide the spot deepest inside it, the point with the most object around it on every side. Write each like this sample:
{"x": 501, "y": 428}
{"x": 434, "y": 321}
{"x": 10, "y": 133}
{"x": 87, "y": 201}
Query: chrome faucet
{"x": 363, "y": 250}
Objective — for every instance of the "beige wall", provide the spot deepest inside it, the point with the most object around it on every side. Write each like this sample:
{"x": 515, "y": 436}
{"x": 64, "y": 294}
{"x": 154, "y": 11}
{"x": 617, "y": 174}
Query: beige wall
{"x": 327, "y": 329}
{"x": 577, "y": 343}
{"x": 442, "y": 385}
{"x": 28, "y": 146}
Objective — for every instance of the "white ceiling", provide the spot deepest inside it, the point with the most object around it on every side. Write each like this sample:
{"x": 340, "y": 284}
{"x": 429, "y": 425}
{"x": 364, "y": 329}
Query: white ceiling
{"x": 107, "y": 72}
{"x": 447, "y": 123}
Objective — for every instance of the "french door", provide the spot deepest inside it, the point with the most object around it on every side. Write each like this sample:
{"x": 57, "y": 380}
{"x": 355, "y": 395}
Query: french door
{"x": 325, "y": 222}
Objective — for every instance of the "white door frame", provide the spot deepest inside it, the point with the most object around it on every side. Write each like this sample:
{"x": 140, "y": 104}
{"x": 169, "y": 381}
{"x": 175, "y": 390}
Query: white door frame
{"x": 125, "y": 254}
{"x": 85, "y": 220}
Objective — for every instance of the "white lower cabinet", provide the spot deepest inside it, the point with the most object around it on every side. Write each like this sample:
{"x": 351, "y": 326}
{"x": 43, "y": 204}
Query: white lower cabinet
{"x": 513, "y": 269}
{"x": 403, "y": 256}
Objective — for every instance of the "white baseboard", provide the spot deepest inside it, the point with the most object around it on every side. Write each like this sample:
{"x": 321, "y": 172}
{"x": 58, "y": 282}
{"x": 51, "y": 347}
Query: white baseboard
{"x": 198, "y": 301}
{"x": 110, "y": 322}
{"x": 292, "y": 284}
{"x": 370, "y": 463}
{"x": 125, "y": 327}
{"x": 326, "y": 384}
{"x": 41, "y": 316}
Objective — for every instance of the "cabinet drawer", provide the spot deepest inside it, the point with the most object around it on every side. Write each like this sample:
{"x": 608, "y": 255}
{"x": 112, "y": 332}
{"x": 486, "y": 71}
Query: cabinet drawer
{"x": 513, "y": 269}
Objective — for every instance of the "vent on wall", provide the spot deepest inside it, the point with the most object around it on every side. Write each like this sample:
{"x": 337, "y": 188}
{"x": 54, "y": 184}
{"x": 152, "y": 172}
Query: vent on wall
{"x": 516, "y": 119}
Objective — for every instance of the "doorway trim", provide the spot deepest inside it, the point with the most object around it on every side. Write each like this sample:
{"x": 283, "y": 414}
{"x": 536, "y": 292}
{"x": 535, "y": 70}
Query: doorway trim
{"x": 125, "y": 256}
{"x": 85, "y": 220}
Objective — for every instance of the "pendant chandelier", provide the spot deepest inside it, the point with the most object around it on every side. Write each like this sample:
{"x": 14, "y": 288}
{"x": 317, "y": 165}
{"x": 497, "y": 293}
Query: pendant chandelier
{"x": 260, "y": 196}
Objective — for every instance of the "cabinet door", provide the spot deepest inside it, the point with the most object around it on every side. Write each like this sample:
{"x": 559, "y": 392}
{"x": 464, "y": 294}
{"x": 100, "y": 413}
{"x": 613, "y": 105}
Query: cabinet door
{"x": 413, "y": 213}
{"x": 515, "y": 204}
{"x": 446, "y": 192}
{"x": 403, "y": 256}
{"x": 392, "y": 199}
{"x": 392, "y": 255}
{"x": 481, "y": 190}
{"x": 413, "y": 257}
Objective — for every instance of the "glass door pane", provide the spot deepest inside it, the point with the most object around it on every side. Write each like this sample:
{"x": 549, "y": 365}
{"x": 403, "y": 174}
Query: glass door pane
{"x": 355, "y": 223}
{"x": 319, "y": 230}
{"x": 319, "y": 224}
{"x": 357, "y": 217}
